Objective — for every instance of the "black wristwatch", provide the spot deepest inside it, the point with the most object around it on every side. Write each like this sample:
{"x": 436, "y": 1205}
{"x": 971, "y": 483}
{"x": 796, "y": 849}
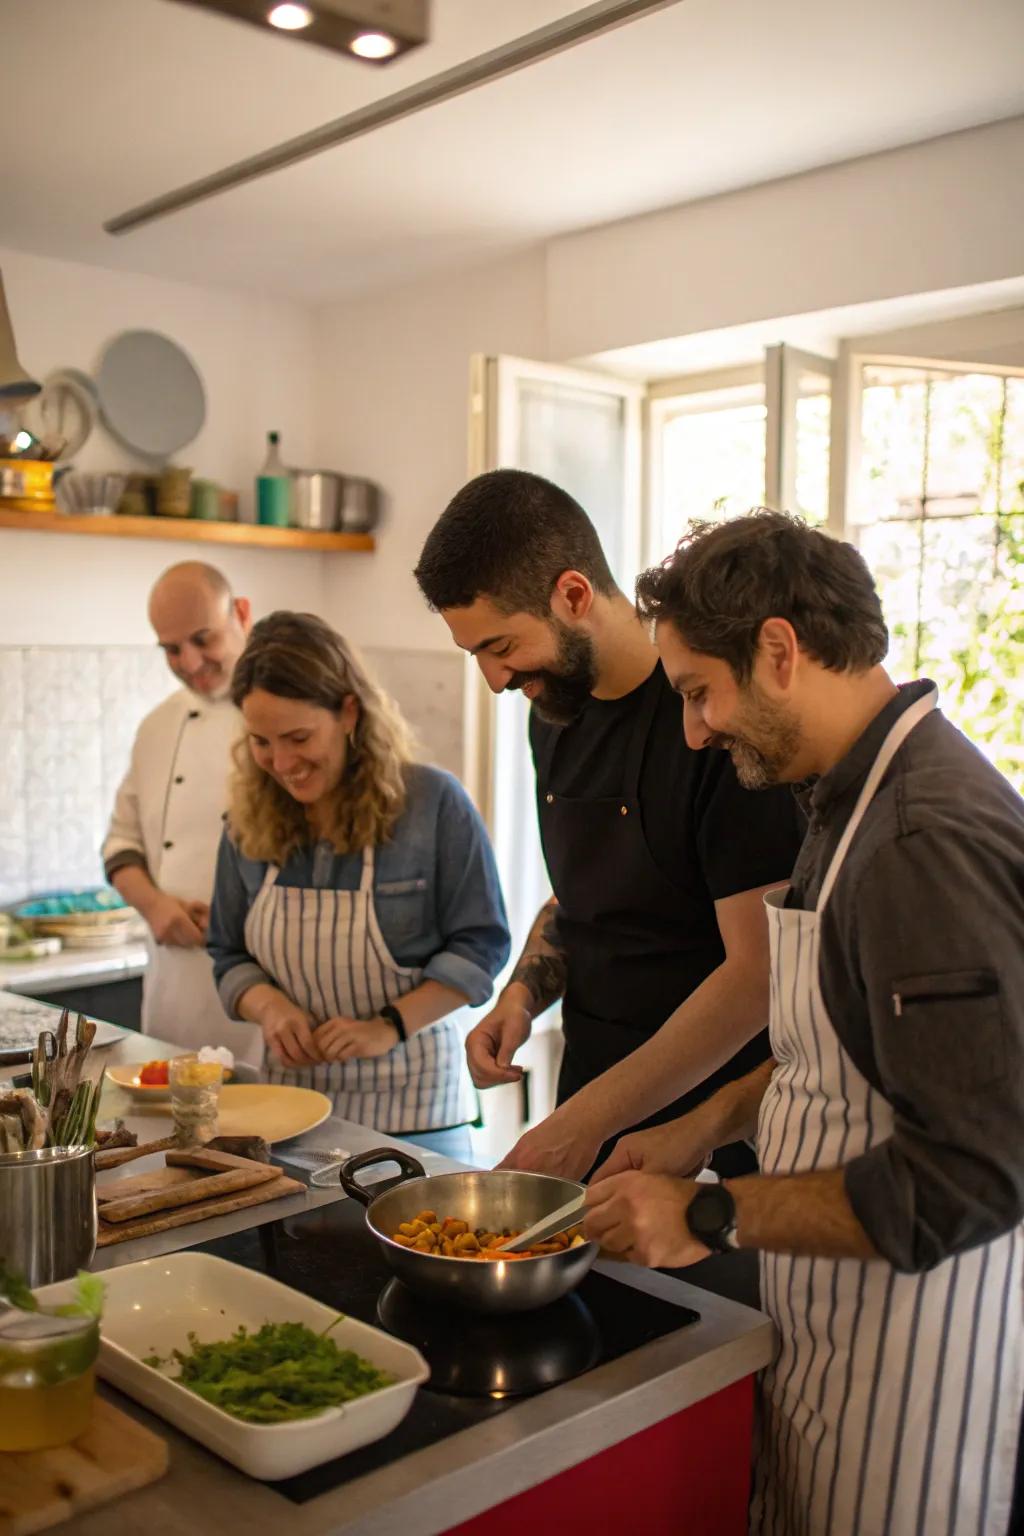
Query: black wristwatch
{"x": 711, "y": 1218}
{"x": 391, "y": 1013}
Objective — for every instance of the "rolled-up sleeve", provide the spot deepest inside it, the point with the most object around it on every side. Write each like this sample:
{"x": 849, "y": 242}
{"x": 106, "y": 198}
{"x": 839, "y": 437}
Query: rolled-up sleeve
{"x": 234, "y": 969}
{"x": 940, "y": 944}
{"x": 470, "y": 912}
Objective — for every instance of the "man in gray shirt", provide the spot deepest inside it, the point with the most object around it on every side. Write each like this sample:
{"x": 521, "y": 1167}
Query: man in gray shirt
{"x": 890, "y": 1129}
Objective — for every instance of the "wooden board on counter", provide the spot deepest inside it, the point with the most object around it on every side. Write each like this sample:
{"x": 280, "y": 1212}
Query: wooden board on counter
{"x": 39, "y": 1489}
{"x": 222, "y": 1205}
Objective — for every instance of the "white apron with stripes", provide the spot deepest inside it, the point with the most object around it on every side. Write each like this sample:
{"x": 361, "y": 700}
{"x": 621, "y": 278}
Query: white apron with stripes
{"x": 893, "y": 1404}
{"x": 325, "y": 950}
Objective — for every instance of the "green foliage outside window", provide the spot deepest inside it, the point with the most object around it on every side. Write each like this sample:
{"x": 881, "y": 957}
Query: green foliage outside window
{"x": 940, "y": 520}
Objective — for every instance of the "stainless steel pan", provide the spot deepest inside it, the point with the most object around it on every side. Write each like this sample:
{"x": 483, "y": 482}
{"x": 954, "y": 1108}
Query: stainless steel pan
{"x": 494, "y": 1200}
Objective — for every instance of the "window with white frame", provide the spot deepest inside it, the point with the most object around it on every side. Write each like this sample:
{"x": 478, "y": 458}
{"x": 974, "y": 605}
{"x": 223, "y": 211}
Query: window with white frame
{"x": 936, "y": 505}
{"x": 928, "y": 480}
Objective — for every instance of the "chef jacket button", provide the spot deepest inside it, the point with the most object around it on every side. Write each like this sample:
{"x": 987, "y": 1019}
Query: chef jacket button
{"x": 623, "y": 810}
{"x": 550, "y": 799}
{"x": 168, "y": 845}
{"x": 180, "y": 779}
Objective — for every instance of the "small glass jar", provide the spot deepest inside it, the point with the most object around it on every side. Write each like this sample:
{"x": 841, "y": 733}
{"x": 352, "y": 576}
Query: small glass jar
{"x": 47, "y": 1378}
{"x": 195, "y": 1092}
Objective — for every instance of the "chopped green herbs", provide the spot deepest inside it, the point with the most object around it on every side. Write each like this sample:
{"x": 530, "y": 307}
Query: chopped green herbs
{"x": 284, "y": 1371}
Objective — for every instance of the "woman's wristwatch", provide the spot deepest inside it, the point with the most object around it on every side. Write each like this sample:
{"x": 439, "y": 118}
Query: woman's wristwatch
{"x": 392, "y": 1015}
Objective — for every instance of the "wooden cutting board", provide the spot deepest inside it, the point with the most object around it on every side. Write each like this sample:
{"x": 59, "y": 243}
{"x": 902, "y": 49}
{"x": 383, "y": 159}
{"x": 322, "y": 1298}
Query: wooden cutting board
{"x": 41, "y": 1488}
{"x": 193, "y": 1191}
{"x": 222, "y": 1205}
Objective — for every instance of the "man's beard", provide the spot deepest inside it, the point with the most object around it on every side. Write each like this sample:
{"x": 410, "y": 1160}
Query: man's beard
{"x": 567, "y": 685}
{"x": 766, "y": 743}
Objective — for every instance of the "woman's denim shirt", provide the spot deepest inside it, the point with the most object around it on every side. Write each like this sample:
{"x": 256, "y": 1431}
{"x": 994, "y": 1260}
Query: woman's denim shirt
{"x": 435, "y": 888}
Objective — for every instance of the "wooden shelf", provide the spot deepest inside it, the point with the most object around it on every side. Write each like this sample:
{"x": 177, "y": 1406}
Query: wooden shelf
{"x": 186, "y": 529}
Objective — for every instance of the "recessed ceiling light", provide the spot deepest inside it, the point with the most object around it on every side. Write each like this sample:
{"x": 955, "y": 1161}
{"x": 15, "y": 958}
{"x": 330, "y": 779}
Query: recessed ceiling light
{"x": 373, "y": 45}
{"x": 290, "y": 18}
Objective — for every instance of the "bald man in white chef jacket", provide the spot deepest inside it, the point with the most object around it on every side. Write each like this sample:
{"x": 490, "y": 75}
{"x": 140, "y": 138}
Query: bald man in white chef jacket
{"x": 161, "y": 846}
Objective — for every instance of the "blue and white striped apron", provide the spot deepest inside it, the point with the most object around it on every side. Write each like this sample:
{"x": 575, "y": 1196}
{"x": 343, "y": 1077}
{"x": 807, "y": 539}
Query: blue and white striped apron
{"x": 325, "y": 950}
{"x": 893, "y": 1404}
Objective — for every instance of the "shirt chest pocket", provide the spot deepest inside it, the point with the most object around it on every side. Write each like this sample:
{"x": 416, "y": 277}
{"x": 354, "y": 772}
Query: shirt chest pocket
{"x": 956, "y": 1016}
{"x": 402, "y": 910}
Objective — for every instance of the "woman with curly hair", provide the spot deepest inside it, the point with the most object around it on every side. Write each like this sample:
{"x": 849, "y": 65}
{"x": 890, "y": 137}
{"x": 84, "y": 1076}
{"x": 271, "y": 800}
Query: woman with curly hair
{"x": 356, "y": 903}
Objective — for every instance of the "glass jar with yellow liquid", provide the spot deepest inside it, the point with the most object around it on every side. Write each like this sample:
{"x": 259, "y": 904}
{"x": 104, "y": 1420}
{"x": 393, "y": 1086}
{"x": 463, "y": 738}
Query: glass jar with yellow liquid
{"x": 47, "y": 1378}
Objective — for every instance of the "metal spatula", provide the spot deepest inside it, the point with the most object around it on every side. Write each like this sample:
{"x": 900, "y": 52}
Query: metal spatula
{"x": 550, "y": 1226}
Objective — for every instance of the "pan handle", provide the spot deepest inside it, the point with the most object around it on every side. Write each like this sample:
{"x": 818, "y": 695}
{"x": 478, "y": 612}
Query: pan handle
{"x": 411, "y": 1169}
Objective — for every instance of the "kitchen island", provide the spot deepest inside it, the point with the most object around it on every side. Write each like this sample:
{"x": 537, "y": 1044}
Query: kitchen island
{"x": 655, "y": 1436}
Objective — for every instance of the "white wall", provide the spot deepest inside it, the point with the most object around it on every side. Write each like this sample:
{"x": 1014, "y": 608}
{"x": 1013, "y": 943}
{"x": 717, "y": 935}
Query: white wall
{"x": 64, "y": 590}
{"x": 254, "y": 357}
{"x": 378, "y": 385}
{"x": 392, "y": 403}
{"x": 943, "y": 214}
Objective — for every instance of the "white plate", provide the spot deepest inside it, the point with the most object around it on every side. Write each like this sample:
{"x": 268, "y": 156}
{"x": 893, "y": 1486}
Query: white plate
{"x": 151, "y": 1307}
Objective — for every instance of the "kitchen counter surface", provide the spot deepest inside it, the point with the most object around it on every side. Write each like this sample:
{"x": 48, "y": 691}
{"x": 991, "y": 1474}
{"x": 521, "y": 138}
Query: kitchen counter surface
{"x": 69, "y": 967}
{"x": 430, "y": 1490}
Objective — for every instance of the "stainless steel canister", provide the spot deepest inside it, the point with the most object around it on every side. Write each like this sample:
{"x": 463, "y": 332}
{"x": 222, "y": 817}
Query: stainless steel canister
{"x": 47, "y": 1212}
{"x": 315, "y": 497}
{"x": 359, "y": 509}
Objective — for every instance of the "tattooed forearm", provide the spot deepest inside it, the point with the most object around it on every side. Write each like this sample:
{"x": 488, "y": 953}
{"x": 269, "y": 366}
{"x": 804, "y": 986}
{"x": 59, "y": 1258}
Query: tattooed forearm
{"x": 542, "y": 966}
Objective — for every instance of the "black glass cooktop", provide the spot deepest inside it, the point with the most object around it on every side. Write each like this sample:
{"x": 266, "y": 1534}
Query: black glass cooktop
{"x": 479, "y": 1366}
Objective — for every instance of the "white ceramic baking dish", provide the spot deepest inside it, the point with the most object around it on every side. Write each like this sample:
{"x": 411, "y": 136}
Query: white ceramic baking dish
{"x": 151, "y": 1307}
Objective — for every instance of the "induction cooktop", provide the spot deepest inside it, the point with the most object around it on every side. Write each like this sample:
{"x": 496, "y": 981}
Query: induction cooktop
{"x": 480, "y": 1366}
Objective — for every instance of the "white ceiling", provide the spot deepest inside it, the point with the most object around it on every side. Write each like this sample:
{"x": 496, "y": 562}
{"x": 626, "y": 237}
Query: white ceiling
{"x": 106, "y": 103}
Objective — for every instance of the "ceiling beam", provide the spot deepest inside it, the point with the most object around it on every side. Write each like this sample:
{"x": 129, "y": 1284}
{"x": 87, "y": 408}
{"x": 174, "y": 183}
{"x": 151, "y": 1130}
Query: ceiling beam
{"x": 578, "y": 27}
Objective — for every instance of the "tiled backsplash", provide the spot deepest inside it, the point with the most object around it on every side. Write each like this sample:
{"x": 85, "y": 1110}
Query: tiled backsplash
{"x": 68, "y": 715}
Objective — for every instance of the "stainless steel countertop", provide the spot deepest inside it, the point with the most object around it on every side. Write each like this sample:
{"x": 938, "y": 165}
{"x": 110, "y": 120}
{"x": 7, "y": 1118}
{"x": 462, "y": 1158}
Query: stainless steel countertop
{"x": 430, "y": 1490}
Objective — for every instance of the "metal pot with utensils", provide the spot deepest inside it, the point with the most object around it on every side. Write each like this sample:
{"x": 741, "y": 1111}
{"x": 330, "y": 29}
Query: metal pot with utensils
{"x": 47, "y": 1212}
{"x": 497, "y": 1201}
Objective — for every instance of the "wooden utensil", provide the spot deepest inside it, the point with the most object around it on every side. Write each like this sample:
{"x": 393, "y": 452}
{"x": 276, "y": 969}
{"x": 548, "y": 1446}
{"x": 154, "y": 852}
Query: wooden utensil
{"x": 212, "y": 1160}
{"x": 41, "y": 1488}
{"x": 118, "y": 1155}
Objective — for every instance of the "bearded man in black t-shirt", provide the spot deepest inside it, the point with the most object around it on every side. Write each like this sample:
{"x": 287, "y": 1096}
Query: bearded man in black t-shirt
{"x": 655, "y": 939}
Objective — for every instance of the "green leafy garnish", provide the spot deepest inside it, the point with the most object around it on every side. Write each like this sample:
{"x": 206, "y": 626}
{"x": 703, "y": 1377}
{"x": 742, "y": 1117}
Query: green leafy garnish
{"x": 15, "y": 1292}
{"x": 89, "y": 1293}
{"x": 284, "y": 1371}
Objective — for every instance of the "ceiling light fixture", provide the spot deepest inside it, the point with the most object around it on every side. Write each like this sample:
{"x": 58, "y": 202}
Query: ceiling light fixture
{"x": 290, "y": 18}
{"x": 595, "y": 20}
{"x": 373, "y": 45}
{"x": 374, "y": 30}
